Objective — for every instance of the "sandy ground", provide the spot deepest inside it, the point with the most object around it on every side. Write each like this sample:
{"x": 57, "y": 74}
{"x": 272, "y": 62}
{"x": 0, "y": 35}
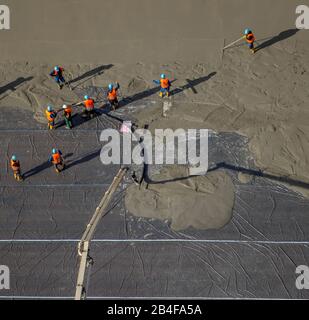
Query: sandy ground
{"x": 123, "y": 31}
{"x": 263, "y": 97}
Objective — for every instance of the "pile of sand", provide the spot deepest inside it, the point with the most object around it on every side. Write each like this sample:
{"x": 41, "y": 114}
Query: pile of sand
{"x": 199, "y": 202}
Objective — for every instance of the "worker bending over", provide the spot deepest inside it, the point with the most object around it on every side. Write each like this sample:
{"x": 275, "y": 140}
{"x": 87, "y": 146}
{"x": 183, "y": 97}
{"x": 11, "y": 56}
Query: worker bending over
{"x": 165, "y": 85}
{"x": 68, "y": 116}
{"x": 15, "y": 165}
{"x": 112, "y": 95}
{"x": 57, "y": 160}
{"x": 89, "y": 107}
{"x": 51, "y": 117}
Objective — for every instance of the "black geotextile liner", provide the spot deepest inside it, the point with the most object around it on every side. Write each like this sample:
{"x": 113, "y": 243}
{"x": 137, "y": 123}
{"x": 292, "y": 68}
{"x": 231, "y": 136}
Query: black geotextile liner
{"x": 157, "y": 269}
{"x": 254, "y": 256}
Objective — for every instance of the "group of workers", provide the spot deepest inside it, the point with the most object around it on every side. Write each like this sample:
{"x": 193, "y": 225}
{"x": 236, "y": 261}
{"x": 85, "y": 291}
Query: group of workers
{"x": 89, "y": 107}
{"x": 56, "y": 159}
{"x": 88, "y": 102}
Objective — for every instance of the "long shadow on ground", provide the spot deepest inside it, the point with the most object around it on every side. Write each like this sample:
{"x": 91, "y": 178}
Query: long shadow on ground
{"x": 149, "y": 92}
{"x": 192, "y": 83}
{"x": 280, "y": 37}
{"x": 14, "y": 84}
{"x": 90, "y": 74}
{"x": 36, "y": 170}
{"x": 223, "y": 165}
{"x": 86, "y": 158}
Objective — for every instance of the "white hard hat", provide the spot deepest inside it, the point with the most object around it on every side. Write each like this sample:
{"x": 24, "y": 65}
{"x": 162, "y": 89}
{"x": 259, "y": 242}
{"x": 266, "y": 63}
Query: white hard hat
{"x": 64, "y": 106}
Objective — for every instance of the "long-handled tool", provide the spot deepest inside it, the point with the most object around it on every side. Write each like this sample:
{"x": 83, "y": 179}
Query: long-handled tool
{"x": 234, "y": 42}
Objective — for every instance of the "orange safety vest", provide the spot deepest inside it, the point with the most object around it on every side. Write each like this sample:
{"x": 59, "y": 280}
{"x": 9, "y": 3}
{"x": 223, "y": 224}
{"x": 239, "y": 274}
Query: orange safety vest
{"x": 49, "y": 115}
{"x": 68, "y": 110}
{"x": 56, "y": 73}
{"x": 56, "y": 158}
{"x": 89, "y": 104}
{"x": 15, "y": 165}
{"x": 112, "y": 95}
{"x": 250, "y": 38}
{"x": 164, "y": 83}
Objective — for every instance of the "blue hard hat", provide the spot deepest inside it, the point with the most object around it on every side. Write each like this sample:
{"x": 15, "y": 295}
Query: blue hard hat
{"x": 86, "y": 97}
{"x": 14, "y": 158}
{"x": 162, "y": 76}
{"x": 56, "y": 68}
{"x": 54, "y": 151}
{"x": 247, "y": 31}
{"x": 110, "y": 86}
{"x": 49, "y": 108}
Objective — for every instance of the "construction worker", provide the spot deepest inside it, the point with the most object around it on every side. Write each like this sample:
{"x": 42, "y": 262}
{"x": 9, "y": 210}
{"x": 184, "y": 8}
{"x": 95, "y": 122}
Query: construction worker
{"x": 112, "y": 95}
{"x": 250, "y": 38}
{"x": 68, "y": 116}
{"x": 15, "y": 165}
{"x": 51, "y": 117}
{"x": 89, "y": 107}
{"x": 57, "y": 160}
{"x": 57, "y": 73}
{"x": 165, "y": 84}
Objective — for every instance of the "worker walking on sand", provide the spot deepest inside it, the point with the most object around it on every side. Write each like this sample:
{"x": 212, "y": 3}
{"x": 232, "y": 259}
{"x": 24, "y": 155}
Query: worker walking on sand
{"x": 51, "y": 117}
{"x": 89, "y": 107}
{"x": 165, "y": 84}
{"x": 15, "y": 165}
{"x": 112, "y": 95}
{"x": 57, "y": 160}
{"x": 250, "y": 38}
{"x": 57, "y": 74}
{"x": 68, "y": 116}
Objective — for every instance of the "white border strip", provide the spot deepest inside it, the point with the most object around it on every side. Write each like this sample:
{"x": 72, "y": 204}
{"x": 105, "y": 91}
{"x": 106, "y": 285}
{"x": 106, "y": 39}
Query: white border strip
{"x": 154, "y": 241}
{"x": 142, "y": 298}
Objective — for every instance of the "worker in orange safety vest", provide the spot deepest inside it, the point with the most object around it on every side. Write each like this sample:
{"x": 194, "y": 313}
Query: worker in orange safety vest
{"x": 57, "y": 160}
{"x": 88, "y": 107}
{"x": 165, "y": 85}
{"x": 15, "y": 166}
{"x": 51, "y": 117}
{"x": 112, "y": 95}
{"x": 250, "y": 38}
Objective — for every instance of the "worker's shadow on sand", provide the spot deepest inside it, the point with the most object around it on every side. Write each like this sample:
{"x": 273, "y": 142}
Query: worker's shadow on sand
{"x": 223, "y": 165}
{"x": 14, "y": 84}
{"x": 140, "y": 95}
{"x": 149, "y": 92}
{"x": 90, "y": 75}
{"x": 83, "y": 159}
{"x": 191, "y": 84}
{"x": 280, "y": 37}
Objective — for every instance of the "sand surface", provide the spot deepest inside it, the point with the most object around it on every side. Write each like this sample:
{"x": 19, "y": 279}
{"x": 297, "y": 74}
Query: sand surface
{"x": 262, "y": 96}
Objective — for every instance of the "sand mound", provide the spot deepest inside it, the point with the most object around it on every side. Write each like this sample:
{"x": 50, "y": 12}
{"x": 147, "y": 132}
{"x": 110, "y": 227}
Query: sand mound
{"x": 199, "y": 202}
